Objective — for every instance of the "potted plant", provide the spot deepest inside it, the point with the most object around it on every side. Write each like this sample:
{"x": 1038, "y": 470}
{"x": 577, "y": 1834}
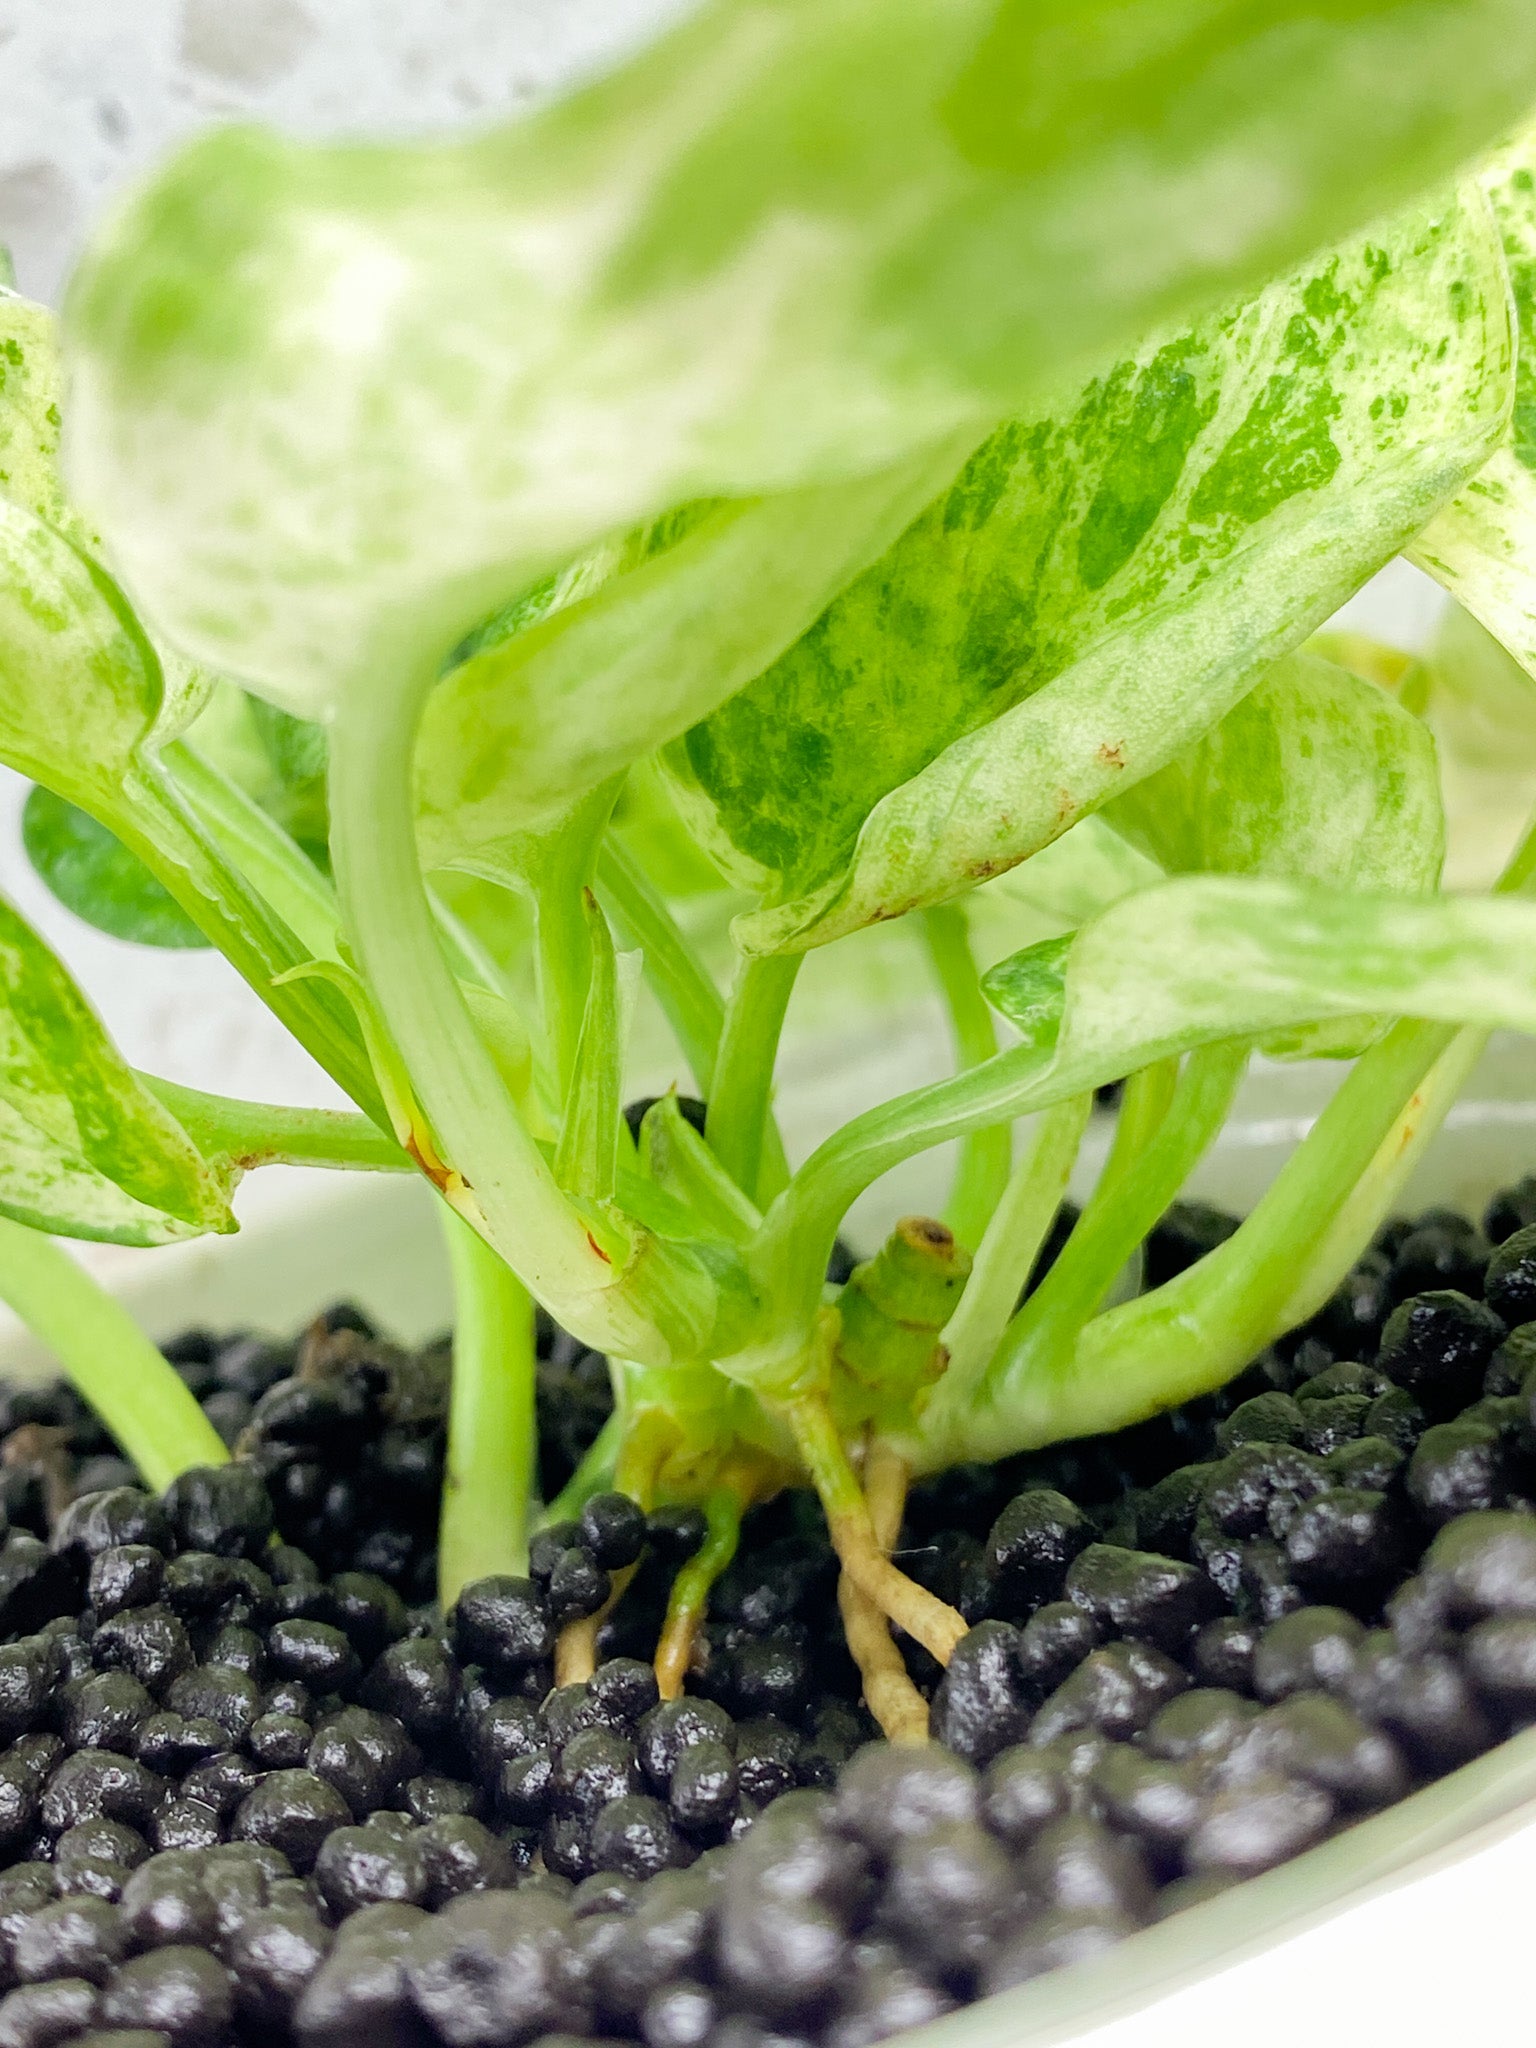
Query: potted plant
{"x": 818, "y": 476}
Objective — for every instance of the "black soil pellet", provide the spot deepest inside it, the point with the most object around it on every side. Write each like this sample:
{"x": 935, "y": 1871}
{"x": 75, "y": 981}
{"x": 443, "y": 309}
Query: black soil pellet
{"x": 254, "y": 1788}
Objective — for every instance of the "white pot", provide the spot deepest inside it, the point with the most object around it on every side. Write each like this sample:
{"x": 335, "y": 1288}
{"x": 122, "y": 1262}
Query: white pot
{"x": 1412, "y": 1925}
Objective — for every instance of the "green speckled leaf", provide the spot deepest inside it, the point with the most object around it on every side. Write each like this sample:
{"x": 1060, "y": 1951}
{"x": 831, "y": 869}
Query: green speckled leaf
{"x": 330, "y": 404}
{"x": 31, "y": 424}
{"x": 1316, "y": 776}
{"x": 85, "y": 1151}
{"x": 80, "y": 686}
{"x": 1482, "y": 546}
{"x": 1102, "y": 584}
{"x": 31, "y": 385}
{"x": 1209, "y": 958}
{"x": 627, "y": 648}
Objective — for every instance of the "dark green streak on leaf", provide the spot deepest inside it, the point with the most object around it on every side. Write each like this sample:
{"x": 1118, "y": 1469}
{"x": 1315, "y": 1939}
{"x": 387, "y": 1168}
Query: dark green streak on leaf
{"x": 1165, "y": 414}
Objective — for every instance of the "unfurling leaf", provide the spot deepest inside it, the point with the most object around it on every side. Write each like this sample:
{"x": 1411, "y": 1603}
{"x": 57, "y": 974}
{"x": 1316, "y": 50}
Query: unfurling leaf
{"x": 676, "y": 1159}
{"x": 1101, "y": 585}
{"x": 93, "y": 874}
{"x": 85, "y": 1150}
{"x": 331, "y": 404}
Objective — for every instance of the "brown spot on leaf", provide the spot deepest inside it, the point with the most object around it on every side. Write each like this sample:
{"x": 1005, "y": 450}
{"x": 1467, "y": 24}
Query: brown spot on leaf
{"x": 591, "y": 1240}
{"x": 1112, "y": 756}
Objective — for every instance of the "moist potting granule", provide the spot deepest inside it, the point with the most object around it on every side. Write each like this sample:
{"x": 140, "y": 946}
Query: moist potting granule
{"x": 255, "y": 1788}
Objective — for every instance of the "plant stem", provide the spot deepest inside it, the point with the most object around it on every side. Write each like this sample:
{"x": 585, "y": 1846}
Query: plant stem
{"x": 562, "y": 863}
{"x": 138, "y": 1395}
{"x": 1360, "y": 1215}
{"x": 496, "y": 1163}
{"x": 788, "y": 1258}
{"x": 492, "y": 1430}
{"x": 284, "y": 874}
{"x": 981, "y": 1172}
{"x": 743, "y": 1082}
{"x": 1115, "y": 1222}
{"x": 691, "y": 1589}
{"x": 889, "y": 1693}
{"x": 1143, "y": 1106}
{"x": 273, "y": 862}
{"x": 689, "y": 999}
{"x": 158, "y": 824}
{"x": 251, "y": 1134}
{"x": 929, "y": 1620}
{"x": 1191, "y": 1335}
{"x": 1019, "y": 1227}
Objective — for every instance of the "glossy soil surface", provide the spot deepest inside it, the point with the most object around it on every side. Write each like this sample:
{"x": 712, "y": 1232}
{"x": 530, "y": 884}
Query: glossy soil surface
{"x": 254, "y": 1788}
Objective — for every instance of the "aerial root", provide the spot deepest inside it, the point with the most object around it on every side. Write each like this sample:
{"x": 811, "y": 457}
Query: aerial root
{"x": 889, "y": 1693}
{"x": 691, "y": 1589}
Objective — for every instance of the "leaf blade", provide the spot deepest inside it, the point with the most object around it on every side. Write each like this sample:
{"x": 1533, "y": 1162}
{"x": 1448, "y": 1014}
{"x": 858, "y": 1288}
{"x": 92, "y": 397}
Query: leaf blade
{"x": 912, "y": 745}
{"x": 641, "y": 296}
{"x": 85, "y": 1150}
{"x": 93, "y": 874}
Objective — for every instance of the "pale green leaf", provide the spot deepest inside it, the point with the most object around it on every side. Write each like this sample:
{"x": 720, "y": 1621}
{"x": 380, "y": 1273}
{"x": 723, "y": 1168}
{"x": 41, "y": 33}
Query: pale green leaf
{"x": 80, "y": 686}
{"x": 331, "y": 403}
{"x": 1315, "y": 776}
{"x": 1065, "y": 885}
{"x": 633, "y": 646}
{"x": 1478, "y": 702}
{"x": 85, "y": 1150}
{"x": 1482, "y": 546}
{"x": 31, "y": 389}
{"x": 1210, "y": 958}
{"x": 1101, "y": 585}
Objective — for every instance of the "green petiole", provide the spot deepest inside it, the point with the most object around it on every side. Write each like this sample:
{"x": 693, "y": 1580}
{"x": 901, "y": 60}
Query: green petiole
{"x": 1116, "y": 1220}
{"x": 1143, "y": 1105}
{"x": 488, "y": 1485}
{"x": 1008, "y": 1250}
{"x": 740, "y": 1100}
{"x": 251, "y": 1134}
{"x": 140, "y": 1397}
{"x": 985, "y": 1157}
{"x": 691, "y": 1002}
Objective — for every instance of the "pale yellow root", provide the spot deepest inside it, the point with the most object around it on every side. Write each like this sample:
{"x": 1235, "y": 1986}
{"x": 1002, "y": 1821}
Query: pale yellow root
{"x": 929, "y": 1621}
{"x": 576, "y": 1644}
{"x": 634, "y": 1474}
{"x": 889, "y": 1693}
